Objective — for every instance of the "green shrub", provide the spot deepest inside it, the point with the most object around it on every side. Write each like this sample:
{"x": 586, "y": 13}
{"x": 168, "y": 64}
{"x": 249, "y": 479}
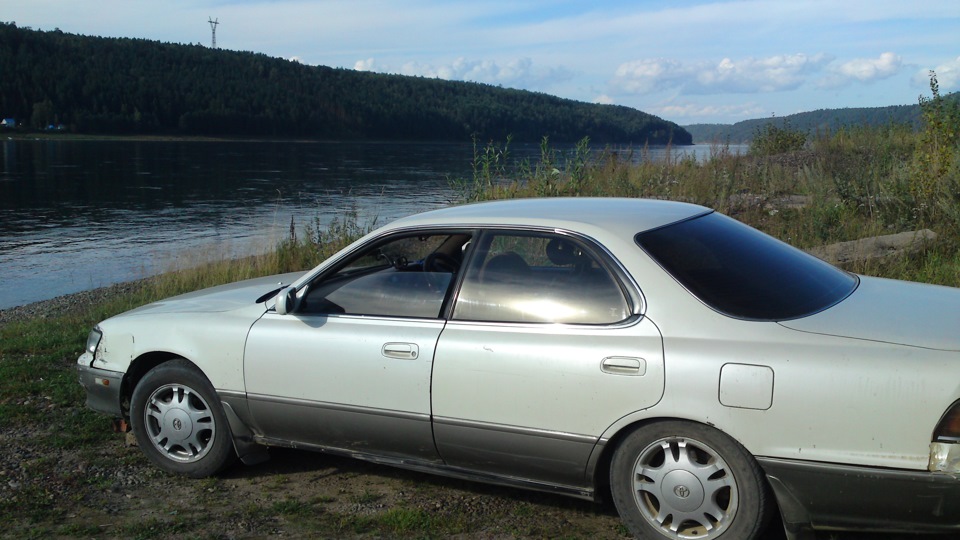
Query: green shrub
{"x": 771, "y": 140}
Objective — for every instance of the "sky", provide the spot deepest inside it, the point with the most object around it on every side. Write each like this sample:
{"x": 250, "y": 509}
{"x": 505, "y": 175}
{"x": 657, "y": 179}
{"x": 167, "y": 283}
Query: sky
{"x": 686, "y": 61}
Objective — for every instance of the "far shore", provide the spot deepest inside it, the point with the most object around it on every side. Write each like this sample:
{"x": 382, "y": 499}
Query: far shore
{"x": 19, "y": 135}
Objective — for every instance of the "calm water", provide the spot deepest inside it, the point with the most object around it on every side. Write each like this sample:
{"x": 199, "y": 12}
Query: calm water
{"x": 76, "y": 215}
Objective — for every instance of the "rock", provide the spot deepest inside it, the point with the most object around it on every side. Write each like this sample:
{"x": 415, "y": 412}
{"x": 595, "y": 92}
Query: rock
{"x": 874, "y": 248}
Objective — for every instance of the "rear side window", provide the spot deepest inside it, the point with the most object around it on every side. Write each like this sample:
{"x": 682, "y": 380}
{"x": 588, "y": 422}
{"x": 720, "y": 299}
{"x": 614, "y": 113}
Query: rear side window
{"x": 740, "y": 271}
{"x": 536, "y": 278}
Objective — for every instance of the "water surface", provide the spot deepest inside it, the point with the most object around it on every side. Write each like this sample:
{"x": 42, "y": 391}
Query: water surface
{"x": 76, "y": 215}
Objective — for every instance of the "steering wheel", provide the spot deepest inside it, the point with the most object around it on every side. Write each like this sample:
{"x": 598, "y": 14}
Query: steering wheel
{"x": 440, "y": 262}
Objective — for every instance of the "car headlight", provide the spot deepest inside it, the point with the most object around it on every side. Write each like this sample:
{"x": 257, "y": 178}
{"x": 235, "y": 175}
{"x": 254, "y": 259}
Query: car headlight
{"x": 93, "y": 340}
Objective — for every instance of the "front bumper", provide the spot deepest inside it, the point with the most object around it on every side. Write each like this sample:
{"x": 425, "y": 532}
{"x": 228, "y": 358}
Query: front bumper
{"x": 831, "y": 496}
{"x": 102, "y": 386}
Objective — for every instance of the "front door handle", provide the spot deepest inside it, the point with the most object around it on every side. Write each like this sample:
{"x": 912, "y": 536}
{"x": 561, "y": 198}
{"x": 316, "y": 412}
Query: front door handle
{"x": 623, "y": 365}
{"x": 401, "y": 351}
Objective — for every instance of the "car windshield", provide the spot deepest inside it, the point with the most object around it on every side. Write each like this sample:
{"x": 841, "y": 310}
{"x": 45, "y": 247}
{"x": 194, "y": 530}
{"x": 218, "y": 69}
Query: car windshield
{"x": 742, "y": 272}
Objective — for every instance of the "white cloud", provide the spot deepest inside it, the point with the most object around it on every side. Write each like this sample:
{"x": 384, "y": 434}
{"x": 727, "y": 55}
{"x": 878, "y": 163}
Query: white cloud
{"x": 870, "y": 69}
{"x": 865, "y": 70}
{"x": 485, "y": 71}
{"x": 752, "y": 75}
{"x": 948, "y": 76}
{"x": 698, "y": 112}
{"x": 749, "y": 75}
{"x": 650, "y": 75}
{"x": 364, "y": 65}
{"x": 517, "y": 72}
{"x": 604, "y": 99}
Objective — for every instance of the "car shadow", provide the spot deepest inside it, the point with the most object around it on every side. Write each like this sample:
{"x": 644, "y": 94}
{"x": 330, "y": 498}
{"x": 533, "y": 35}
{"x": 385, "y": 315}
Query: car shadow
{"x": 286, "y": 461}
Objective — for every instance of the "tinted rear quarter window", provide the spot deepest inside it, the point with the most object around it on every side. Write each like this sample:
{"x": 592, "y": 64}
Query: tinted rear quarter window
{"x": 740, "y": 271}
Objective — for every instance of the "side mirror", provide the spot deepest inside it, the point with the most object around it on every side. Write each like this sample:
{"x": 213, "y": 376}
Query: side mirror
{"x": 286, "y": 301}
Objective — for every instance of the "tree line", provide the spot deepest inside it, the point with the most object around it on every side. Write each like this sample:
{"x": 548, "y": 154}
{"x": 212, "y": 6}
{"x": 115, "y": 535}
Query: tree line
{"x": 813, "y": 122}
{"x": 136, "y": 86}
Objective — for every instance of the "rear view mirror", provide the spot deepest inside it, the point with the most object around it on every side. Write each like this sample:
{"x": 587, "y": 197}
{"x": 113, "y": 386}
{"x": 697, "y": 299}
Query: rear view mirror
{"x": 286, "y": 301}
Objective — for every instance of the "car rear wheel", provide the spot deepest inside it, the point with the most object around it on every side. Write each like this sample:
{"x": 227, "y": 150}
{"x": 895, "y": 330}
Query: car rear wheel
{"x": 178, "y": 421}
{"x": 682, "y": 480}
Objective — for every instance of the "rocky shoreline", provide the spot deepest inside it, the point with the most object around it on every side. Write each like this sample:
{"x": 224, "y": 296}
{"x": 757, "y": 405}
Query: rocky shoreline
{"x": 68, "y": 303}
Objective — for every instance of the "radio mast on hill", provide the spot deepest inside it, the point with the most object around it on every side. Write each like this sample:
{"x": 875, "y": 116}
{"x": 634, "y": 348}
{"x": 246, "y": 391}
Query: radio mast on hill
{"x": 213, "y": 31}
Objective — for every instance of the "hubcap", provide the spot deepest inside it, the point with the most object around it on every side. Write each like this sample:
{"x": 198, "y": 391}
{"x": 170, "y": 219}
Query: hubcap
{"x": 684, "y": 489}
{"x": 179, "y": 423}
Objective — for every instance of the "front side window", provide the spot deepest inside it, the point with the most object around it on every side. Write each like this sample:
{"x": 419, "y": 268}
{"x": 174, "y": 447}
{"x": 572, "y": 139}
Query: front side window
{"x": 517, "y": 277}
{"x": 739, "y": 271}
{"x": 407, "y": 276}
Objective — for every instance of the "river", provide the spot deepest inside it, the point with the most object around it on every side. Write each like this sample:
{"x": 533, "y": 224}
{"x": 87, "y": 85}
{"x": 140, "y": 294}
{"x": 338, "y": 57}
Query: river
{"x": 81, "y": 214}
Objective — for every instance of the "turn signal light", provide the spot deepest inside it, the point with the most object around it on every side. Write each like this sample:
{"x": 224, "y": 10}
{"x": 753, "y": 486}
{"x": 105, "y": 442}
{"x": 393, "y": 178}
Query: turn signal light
{"x": 948, "y": 429}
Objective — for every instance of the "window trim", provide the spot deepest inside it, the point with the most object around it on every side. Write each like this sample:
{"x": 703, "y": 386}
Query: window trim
{"x": 629, "y": 289}
{"x": 346, "y": 258}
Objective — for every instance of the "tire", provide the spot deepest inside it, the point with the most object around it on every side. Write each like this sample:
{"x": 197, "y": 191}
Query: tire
{"x": 682, "y": 480}
{"x": 179, "y": 423}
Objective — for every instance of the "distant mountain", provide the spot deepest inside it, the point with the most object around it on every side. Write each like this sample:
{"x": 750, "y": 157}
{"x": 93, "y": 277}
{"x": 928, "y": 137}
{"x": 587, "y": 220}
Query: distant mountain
{"x": 136, "y": 86}
{"x": 811, "y": 122}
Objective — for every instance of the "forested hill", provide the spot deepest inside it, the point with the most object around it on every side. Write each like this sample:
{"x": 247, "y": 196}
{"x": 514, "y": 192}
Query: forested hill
{"x": 811, "y": 122}
{"x": 137, "y": 86}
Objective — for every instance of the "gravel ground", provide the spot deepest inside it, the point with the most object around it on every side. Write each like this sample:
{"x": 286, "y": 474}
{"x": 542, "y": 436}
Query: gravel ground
{"x": 67, "y": 303}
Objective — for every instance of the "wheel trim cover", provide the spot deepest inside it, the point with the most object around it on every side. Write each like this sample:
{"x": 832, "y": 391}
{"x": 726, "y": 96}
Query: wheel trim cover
{"x": 684, "y": 489}
{"x": 179, "y": 423}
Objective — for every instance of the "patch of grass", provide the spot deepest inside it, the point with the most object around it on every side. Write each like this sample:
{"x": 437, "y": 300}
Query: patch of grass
{"x": 293, "y": 507}
{"x": 523, "y": 510}
{"x": 80, "y": 530}
{"x": 367, "y": 497}
{"x": 396, "y": 522}
{"x": 29, "y": 502}
{"x": 409, "y": 521}
{"x": 277, "y": 482}
{"x": 158, "y": 528}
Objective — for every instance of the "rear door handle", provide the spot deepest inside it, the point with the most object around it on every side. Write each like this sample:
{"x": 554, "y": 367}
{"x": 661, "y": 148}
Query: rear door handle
{"x": 623, "y": 365}
{"x": 401, "y": 351}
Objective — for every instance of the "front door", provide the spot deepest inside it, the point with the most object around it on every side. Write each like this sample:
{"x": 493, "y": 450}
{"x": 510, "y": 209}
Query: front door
{"x": 350, "y": 367}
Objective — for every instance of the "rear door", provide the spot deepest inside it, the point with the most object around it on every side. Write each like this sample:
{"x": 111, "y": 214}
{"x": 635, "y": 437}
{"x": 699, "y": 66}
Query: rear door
{"x": 542, "y": 353}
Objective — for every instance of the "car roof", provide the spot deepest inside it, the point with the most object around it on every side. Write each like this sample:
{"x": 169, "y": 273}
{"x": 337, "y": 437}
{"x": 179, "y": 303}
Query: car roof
{"x": 561, "y": 213}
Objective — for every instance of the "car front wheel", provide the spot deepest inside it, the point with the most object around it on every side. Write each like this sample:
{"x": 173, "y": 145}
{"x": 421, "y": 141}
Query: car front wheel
{"x": 682, "y": 480}
{"x": 178, "y": 421}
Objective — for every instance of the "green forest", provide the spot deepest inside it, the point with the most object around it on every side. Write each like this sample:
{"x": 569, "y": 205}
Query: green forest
{"x": 813, "y": 122}
{"x": 96, "y": 85}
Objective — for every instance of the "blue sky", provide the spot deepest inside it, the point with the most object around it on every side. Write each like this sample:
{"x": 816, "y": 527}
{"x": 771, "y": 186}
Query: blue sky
{"x": 686, "y": 61}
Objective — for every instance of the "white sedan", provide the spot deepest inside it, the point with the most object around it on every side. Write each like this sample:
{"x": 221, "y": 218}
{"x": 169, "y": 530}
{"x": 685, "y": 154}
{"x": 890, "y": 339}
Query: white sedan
{"x": 700, "y": 373}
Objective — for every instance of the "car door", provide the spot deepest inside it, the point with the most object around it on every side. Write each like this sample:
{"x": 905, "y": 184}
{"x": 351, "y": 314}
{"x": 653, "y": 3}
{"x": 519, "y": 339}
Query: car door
{"x": 350, "y": 367}
{"x": 544, "y": 350}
